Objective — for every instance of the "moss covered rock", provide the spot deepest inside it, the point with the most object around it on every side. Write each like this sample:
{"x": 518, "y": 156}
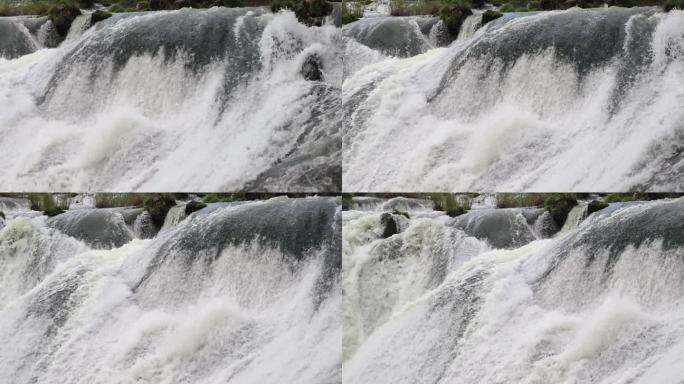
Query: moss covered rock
{"x": 53, "y": 211}
{"x": 596, "y": 205}
{"x": 194, "y": 206}
{"x": 62, "y": 15}
{"x": 453, "y": 16}
{"x": 158, "y": 206}
{"x": 559, "y": 205}
{"x": 490, "y": 15}
{"x": 99, "y": 15}
{"x": 347, "y": 201}
{"x": 673, "y": 4}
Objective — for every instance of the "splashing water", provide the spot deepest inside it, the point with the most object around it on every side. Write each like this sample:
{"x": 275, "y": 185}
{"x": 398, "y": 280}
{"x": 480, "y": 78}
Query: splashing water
{"x": 188, "y": 100}
{"x": 570, "y": 100}
{"x": 232, "y": 294}
{"x": 434, "y": 303}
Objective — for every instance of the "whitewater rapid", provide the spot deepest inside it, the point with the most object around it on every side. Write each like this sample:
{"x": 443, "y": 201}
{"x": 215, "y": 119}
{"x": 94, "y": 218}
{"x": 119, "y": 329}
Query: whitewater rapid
{"x": 440, "y": 303}
{"x": 214, "y": 99}
{"x": 575, "y": 100}
{"x": 245, "y": 293}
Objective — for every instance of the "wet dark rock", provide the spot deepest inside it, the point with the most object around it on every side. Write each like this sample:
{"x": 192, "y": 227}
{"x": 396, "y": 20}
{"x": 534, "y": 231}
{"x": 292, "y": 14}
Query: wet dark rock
{"x": 389, "y": 224}
{"x": 595, "y": 206}
{"x": 194, "y": 206}
{"x": 501, "y": 228}
{"x": 99, "y": 228}
{"x": 398, "y": 36}
{"x": 99, "y": 15}
{"x": 311, "y": 69}
{"x": 298, "y": 228}
{"x": 490, "y": 15}
{"x": 53, "y": 211}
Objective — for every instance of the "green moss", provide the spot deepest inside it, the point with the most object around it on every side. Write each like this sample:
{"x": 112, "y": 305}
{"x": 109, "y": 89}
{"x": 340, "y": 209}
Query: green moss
{"x": 448, "y": 203}
{"x": 118, "y": 8}
{"x": 507, "y": 7}
{"x": 158, "y": 205}
{"x": 347, "y": 201}
{"x": 111, "y": 200}
{"x": 618, "y": 197}
{"x": 53, "y": 211}
{"x": 669, "y": 5}
{"x": 223, "y": 197}
{"x": 559, "y": 205}
{"x": 44, "y": 201}
{"x": 454, "y": 14}
{"x": 518, "y": 200}
{"x": 596, "y": 205}
{"x": 194, "y": 206}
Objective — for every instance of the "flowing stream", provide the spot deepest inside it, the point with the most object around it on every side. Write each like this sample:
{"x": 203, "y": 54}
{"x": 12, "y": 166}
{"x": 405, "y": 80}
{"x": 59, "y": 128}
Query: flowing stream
{"x": 213, "y": 99}
{"x": 575, "y": 100}
{"x": 502, "y": 296}
{"x": 233, "y": 293}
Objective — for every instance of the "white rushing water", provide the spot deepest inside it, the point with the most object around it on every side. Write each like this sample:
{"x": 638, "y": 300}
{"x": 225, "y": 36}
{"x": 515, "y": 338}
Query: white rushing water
{"x": 569, "y": 100}
{"x": 438, "y": 303}
{"x": 232, "y": 294}
{"x": 217, "y": 99}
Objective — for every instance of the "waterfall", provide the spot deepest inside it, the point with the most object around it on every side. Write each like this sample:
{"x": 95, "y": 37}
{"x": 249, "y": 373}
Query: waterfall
{"x": 174, "y": 216}
{"x": 79, "y": 26}
{"x": 530, "y": 102}
{"x": 243, "y": 293}
{"x": 435, "y": 303}
{"x": 470, "y": 25}
{"x": 576, "y": 215}
{"x": 212, "y": 99}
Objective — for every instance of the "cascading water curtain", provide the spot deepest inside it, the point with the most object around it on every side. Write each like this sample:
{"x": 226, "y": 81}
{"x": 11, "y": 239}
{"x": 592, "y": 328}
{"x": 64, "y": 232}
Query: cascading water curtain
{"x": 234, "y": 292}
{"x": 509, "y": 295}
{"x": 576, "y": 100}
{"x": 220, "y": 99}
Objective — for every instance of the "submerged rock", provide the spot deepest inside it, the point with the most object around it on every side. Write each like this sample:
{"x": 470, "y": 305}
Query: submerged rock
{"x": 311, "y": 69}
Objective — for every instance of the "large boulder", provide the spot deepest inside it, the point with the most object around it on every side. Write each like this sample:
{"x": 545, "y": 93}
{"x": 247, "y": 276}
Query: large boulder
{"x": 99, "y": 228}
